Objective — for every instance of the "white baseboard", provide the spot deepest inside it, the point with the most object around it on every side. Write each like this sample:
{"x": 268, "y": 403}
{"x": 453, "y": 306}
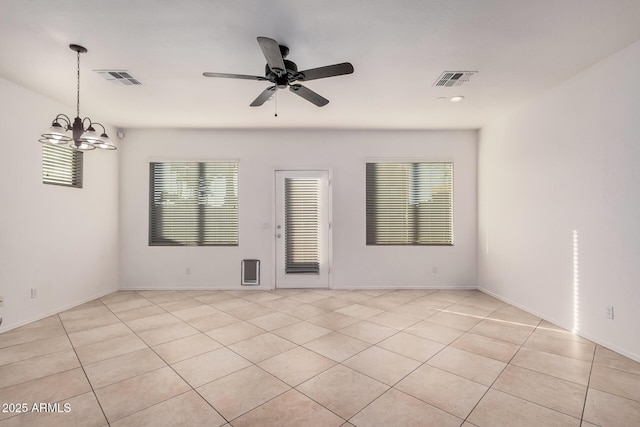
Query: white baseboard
{"x": 591, "y": 338}
{"x": 401, "y": 287}
{"x": 228, "y": 288}
{"x": 55, "y": 311}
{"x": 335, "y": 287}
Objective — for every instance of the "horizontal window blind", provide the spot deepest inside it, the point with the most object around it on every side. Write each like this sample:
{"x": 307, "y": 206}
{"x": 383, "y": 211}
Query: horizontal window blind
{"x": 409, "y": 203}
{"x": 61, "y": 166}
{"x": 302, "y": 225}
{"x": 193, "y": 203}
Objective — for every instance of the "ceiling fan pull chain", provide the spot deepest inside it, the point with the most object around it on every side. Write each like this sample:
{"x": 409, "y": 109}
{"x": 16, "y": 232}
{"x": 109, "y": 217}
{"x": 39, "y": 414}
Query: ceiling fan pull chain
{"x": 276, "y": 103}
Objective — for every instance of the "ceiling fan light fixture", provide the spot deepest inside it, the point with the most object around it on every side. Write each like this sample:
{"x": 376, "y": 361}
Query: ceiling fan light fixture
{"x": 456, "y": 98}
{"x": 76, "y": 134}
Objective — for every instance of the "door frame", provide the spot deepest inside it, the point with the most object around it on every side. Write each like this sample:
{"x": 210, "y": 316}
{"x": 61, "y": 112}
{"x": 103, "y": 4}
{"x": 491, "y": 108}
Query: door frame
{"x": 274, "y": 207}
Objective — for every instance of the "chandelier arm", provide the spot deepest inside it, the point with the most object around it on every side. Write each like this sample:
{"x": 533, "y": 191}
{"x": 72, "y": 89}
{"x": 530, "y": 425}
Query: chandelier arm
{"x": 64, "y": 118}
{"x": 90, "y": 123}
{"x": 99, "y": 124}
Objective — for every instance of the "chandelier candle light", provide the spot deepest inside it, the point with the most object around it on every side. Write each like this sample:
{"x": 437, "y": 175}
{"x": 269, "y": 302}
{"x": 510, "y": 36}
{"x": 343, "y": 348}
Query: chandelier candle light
{"x": 79, "y": 137}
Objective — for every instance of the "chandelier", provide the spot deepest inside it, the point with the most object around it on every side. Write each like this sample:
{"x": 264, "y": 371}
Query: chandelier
{"x": 79, "y": 134}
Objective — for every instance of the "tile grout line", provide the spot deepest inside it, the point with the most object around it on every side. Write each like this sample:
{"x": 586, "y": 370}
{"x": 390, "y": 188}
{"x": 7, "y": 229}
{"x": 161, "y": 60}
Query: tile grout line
{"x": 15, "y": 331}
{"x": 259, "y": 367}
{"x": 252, "y": 364}
{"x": 325, "y": 370}
{"x": 291, "y": 388}
{"x": 39, "y": 378}
{"x": 503, "y": 369}
{"x": 167, "y": 364}
{"x": 586, "y": 392}
{"x": 405, "y": 376}
{"x": 446, "y": 346}
{"x": 151, "y": 348}
{"x": 84, "y": 371}
{"x": 548, "y": 374}
{"x": 532, "y": 370}
{"x": 392, "y": 387}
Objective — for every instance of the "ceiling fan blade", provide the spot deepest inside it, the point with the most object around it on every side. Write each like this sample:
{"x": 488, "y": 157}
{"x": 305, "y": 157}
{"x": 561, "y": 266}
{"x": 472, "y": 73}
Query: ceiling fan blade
{"x": 271, "y": 51}
{"x": 262, "y": 98}
{"x": 234, "y": 76}
{"x": 328, "y": 71}
{"x": 309, "y": 95}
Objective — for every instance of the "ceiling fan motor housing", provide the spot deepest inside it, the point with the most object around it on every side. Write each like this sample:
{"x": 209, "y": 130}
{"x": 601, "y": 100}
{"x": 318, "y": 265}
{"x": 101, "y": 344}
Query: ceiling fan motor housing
{"x": 282, "y": 81}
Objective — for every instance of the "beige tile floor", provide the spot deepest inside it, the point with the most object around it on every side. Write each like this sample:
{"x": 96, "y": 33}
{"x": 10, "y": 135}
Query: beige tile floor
{"x": 310, "y": 358}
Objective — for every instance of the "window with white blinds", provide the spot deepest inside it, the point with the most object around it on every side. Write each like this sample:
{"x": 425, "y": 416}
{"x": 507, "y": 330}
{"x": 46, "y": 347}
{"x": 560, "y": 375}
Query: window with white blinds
{"x": 409, "y": 203}
{"x": 61, "y": 166}
{"x": 193, "y": 204}
{"x": 302, "y": 225}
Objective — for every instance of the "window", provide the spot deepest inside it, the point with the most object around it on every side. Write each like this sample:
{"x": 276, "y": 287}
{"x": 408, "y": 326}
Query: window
{"x": 61, "y": 166}
{"x": 193, "y": 204}
{"x": 409, "y": 203}
{"x": 302, "y": 225}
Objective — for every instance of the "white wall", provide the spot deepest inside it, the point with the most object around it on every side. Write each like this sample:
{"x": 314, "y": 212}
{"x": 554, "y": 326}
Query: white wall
{"x": 568, "y": 161}
{"x": 260, "y": 153}
{"x": 62, "y": 241}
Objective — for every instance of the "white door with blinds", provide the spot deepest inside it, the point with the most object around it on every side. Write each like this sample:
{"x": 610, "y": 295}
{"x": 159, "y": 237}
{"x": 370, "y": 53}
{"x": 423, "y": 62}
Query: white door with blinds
{"x": 302, "y": 229}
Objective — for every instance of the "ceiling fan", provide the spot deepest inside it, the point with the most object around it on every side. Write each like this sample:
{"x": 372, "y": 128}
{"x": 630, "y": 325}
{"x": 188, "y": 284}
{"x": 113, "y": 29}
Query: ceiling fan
{"x": 284, "y": 73}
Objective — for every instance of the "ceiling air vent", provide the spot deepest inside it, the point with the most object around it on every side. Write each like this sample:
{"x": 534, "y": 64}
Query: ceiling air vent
{"x": 121, "y": 77}
{"x": 453, "y": 78}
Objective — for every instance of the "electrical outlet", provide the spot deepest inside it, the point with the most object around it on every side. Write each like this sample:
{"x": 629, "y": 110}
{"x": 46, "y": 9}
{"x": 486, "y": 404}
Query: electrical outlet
{"x": 187, "y": 270}
{"x": 435, "y": 268}
{"x": 34, "y": 293}
{"x": 610, "y": 312}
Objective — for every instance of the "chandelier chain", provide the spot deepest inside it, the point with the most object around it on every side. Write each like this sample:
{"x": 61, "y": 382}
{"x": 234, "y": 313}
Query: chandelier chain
{"x": 78, "y": 97}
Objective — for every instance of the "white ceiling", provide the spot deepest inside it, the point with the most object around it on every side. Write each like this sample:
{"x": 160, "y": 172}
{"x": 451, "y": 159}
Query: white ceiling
{"x": 398, "y": 48}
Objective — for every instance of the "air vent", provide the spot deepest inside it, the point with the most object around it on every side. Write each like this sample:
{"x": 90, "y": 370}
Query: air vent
{"x": 121, "y": 77}
{"x": 453, "y": 78}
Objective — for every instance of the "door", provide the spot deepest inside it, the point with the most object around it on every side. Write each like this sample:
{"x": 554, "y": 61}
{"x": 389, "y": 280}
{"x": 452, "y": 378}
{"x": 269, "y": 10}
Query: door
{"x": 302, "y": 229}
